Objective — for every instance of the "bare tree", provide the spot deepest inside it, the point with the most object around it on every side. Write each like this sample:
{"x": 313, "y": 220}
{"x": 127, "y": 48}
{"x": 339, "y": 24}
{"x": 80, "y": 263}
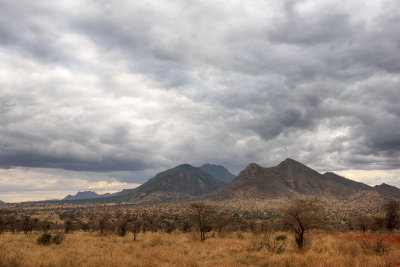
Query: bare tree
{"x": 3, "y": 220}
{"x": 122, "y": 227}
{"x": 302, "y": 215}
{"x": 392, "y": 214}
{"x": 361, "y": 222}
{"x": 104, "y": 222}
{"x": 45, "y": 225}
{"x": 202, "y": 217}
{"x": 68, "y": 226}
{"x": 136, "y": 224}
{"x": 13, "y": 221}
{"x": 378, "y": 223}
{"x": 28, "y": 225}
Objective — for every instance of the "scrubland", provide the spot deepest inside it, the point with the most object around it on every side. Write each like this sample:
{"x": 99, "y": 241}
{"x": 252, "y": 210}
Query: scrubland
{"x": 322, "y": 248}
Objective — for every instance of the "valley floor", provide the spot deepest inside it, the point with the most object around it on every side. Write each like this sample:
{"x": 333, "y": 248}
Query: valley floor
{"x": 180, "y": 249}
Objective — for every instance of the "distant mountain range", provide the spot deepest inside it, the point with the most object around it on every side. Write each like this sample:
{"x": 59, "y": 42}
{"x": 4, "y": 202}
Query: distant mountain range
{"x": 83, "y": 195}
{"x": 288, "y": 179}
{"x": 2, "y": 202}
{"x": 92, "y": 195}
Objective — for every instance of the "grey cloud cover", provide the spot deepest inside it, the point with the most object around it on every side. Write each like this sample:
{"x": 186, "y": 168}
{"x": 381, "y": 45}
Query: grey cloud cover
{"x": 139, "y": 86}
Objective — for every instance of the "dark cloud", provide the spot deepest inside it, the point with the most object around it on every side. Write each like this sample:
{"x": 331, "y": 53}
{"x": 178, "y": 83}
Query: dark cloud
{"x": 110, "y": 86}
{"x": 35, "y": 159}
{"x": 311, "y": 29}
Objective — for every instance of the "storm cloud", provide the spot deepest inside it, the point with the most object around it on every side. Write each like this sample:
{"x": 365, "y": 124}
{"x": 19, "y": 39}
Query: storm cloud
{"x": 135, "y": 87}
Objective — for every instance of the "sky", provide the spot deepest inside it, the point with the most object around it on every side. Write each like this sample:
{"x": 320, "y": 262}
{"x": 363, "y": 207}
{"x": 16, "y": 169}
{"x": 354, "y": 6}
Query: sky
{"x": 102, "y": 95}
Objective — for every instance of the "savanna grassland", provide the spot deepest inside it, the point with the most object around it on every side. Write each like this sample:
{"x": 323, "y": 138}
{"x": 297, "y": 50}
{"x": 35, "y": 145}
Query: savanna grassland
{"x": 184, "y": 249}
{"x": 301, "y": 233}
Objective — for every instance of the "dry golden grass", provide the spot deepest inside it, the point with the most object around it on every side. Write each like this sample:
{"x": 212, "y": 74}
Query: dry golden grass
{"x": 179, "y": 249}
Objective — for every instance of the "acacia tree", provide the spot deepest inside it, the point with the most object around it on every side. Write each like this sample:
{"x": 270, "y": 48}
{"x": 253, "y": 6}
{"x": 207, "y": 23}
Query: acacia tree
{"x": 392, "y": 216}
{"x": 202, "y": 217}
{"x": 302, "y": 215}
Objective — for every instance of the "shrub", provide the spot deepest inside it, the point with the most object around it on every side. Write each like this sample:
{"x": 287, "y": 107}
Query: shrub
{"x": 280, "y": 237}
{"x": 243, "y": 228}
{"x": 45, "y": 239}
{"x": 206, "y": 228}
{"x": 378, "y": 247}
{"x": 186, "y": 227}
{"x": 58, "y": 238}
{"x": 122, "y": 227}
{"x": 275, "y": 245}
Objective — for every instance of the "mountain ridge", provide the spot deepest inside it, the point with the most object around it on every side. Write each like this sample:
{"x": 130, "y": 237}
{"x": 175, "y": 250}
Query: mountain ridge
{"x": 218, "y": 171}
{"x": 288, "y": 179}
{"x": 388, "y": 190}
{"x": 82, "y": 195}
{"x": 291, "y": 178}
{"x": 181, "y": 182}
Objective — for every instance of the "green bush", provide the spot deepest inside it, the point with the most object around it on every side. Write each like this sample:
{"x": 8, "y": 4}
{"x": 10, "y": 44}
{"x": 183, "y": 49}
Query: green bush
{"x": 280, "y": 237}
{"x": 45, "y": 239}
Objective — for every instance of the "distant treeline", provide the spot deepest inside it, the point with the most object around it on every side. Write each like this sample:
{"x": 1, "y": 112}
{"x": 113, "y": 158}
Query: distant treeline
{"x": 202, "y": 218}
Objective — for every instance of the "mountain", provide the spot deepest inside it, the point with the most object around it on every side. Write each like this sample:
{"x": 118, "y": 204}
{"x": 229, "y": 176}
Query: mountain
{"x": 124, "y": 192}
{"x": 93, "y": 195}
{"x": 218, "y": 171}
{"x": 2, "y": 202}
{"x": 388, "y": 190}
{"x": 290, "y": 178}
{"x": 82, "y": 195}
{"x": 346, "y": 182}
{"x": 181, "y": 182}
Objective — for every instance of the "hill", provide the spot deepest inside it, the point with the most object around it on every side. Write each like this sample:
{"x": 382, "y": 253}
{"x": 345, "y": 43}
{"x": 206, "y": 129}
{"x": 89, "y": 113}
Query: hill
{"x": 388, "y": 190}
{"x": 218, "y": 171}
{"x": 181, "y": 182}
{"x": 346, "y": 182}
{"x": 291, "y": 178}
{"x": 82, "y": 195}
